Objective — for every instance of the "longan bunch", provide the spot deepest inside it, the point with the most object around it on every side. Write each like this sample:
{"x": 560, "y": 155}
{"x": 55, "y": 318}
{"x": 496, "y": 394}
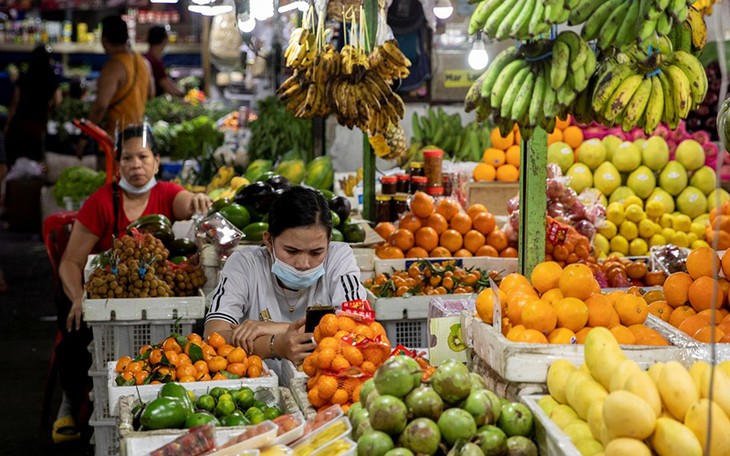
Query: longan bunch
{"x": 147, "y": 250}
{"x": 186, "y": 280}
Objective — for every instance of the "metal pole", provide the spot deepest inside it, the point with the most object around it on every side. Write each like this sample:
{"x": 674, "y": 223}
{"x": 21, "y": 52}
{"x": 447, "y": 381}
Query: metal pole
{"x": 533, "y": 201}
{"x": 368, "y": 157}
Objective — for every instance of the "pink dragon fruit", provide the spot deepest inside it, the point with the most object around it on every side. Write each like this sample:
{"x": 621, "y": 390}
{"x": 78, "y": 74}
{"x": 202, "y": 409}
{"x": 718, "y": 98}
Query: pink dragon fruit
{"x": 702, "y": 137}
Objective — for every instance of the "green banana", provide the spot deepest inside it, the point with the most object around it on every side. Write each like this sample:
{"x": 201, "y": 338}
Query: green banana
{"x": 513, "y": 91}
{"x": 471, "y": 100}
{"x": 555, "y": 11}
{"x": 417, "y": 130}
{"x": 522, "y": 102}
{"x": 627, "y": 30}
{"x": 494, "y": 70}
{"x": 580, "y": 79}
{"x": 537, "y": 21}
{"x": 521, "y": 24}
{"x": 506, "y": 28}
{"x": 583, "y": 11}
{"x": 655, "y": 106}
{"x": 592, "y": 28}
{"x": 578, "y": 49}
{"x": 664, "y": 24}
{"x": 670, "y": 111}
{"x": 608, "y": 82}
{"x": 590, "y": 64}
{"x": 560, "y": 63}
{"x": 695, "y": 72}
{"x": 542, "y": 85}
{"x": 611, "y": 27}
{"x": 680, "y": 90}
{"x": 506, "y": 77}
{"x": 679, "y": 10}
{"x": 637, "y": 105}
{"x": 621, "y": 97}
{"x": 647, "y": 29}
{"x": 497, "y": 17}
{"x": 582, "y": 107}
{"x": 566, "y": 93}
{"x": 549, "y": 105}
{"x": 481, "y": 14}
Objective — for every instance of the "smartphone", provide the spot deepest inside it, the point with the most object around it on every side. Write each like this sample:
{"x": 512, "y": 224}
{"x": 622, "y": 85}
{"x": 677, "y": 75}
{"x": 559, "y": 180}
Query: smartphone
{"x": 314, "y": 315}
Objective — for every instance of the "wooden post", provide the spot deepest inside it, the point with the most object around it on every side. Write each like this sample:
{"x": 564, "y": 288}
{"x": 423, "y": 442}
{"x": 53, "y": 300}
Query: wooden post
{"x": 368, "y": 157}
{"x": 205, "y": 51}
{"x": 533, "y": 202}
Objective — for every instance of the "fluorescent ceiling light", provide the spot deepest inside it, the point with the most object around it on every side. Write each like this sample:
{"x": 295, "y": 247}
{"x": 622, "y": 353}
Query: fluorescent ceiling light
{"x": 208, "y": 10}
{"x": 163, "y": 1}
{"x": 201, "y": 2}
{"x": 246, "y": 24}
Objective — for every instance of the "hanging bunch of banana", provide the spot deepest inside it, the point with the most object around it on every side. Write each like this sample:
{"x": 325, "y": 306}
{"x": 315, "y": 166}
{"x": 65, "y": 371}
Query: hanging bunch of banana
{"x": 617, "y": 23}
{"x": 691, "y": 35}
{"x": 518, "y": 19}
{"x": 533, "y": 84}
{"x": 633, "y": 92}
{"x": 705, "y": 6}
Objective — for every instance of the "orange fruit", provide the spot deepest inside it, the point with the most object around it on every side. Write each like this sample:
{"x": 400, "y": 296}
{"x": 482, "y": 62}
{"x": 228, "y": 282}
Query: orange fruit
{"x": 539, "y": 315}
{"x": 186, "y": 370}
{"x": 562, "y": 123}
{"x": 497, "y": 239}
{"x": 572, "y": 313}
{"x": 451, "y": 239}
{"x": 600, "y": 310}
{"x": 725, "y": 264}
{"x": 580, "y": 336}
{"x": 208, "y": 352}
{"x": 192, "y": 337}
{"x": 632, "y": 310}
{"x": 384, "y": 229}
{"x": 660, "y": 309}
{"x": 140, "y": 377}
{"x": 508, "y": 173}
{"x": 463, "y": 253}
{"x": 474, "y": 209}
{"x": 494, "y": 157}
{"x": 702, "y": 290}
{"x": 615, "y": 320}
{"x": 427, "y": 238}
{"x": 171, "y": 344}
{"x": 555, "y": 136}
{"x": 512, "y": 155}
{"x": 122, "y": 363}
{"x": 201, "y": 366}
{"x": 702, "y": 262}
{"x": 485, "y": 304}
{"x": 474, "y": 240}
{"x": 562, "y": 336}
{"x": 403, "y": 239}
{"x": 225, "y": 350}
{"x": 532, "y": 336}
{"x": 438, "y": 222}
{"x": 487, "y": 250}
{"x": 217, "y": 363}
{"x": 676, "y": 288}
{"x": 352, "y": 355}
{"x": 314, "y": 399}
{"x": 508, "y": 252}
{"x": 623, "y": 335}
{"x": 340, "y": 397}
{"x": 516, "y": 306}
{"x": 421, "y": 205}
{"x": 515, "y": 333}
{"x": 552, "y": 296}
{"x": 573, "y": 136}
{"x": 408, "y": 222}
{"x": 417, "y": 252}
{"x": 484, "y": 172}
{"x": 499, "y": 141}
{"x": 237, "y": 368}
{"x": 679, "y": 314}
{"x": 144, "y": 349}
{"x": 185, "y": 359}
{"x": 215, "y": 340}
{"x": 368, "y": 367}
{"x": 546, "y": 276}
{"x": 339, "y": 363}
{"x": 704, "y": 334}
{"x": 484, "y": 222}
{"x": 325, "y": 357}
{"x": 512, "y": 281}
{"x": 573, "y": 281}
{"x": 237, "y": 355}
{"x": 172, "y": 357}
{"x": 328, "y": 326}
{"x": 460, "y": 222}
{"x": 647, "y": 336}
{"x": 326, "y": 386}
{"x": 389, "y": 252}
{"x": 694, "y": 323}
{"x": 439, "y": 252}
{"x": 447, "y": 207}
{"x": 346, "y": 323}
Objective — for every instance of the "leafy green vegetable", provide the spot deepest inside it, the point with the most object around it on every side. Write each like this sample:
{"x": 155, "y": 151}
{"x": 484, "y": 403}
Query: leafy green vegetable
{"x": 195, "y": 138}
{"x": 69, "y": 109}
{"x": 276, "y": 132}
{"x": 77, "y": 182}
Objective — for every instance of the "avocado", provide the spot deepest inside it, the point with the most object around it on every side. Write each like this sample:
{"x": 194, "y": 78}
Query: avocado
{"x": 337, "y": 235}
{"x": 354, "y": 233}
{"x": 236, "y": 214}
{"x": 200, "y": 418}
{"x": 164, "y": 413}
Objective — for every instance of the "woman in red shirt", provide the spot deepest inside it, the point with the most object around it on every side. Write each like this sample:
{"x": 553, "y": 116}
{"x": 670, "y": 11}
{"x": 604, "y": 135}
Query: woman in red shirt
{"x": 137, "y": 193}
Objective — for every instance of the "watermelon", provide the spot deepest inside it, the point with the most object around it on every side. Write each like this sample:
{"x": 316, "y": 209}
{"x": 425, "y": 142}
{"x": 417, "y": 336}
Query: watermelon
{"x": 320, "y": 173}
{"x": 257, "y": 168}
{"x": 294, "y": 170}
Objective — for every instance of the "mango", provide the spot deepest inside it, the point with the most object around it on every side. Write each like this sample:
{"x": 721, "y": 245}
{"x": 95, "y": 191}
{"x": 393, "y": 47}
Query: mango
{"x": 696, "y": 421}
{"x": 720, "y": 389}
{"x": 547, "y": 403}
{"x": 624, "y": 370}
{"x": 641, "y": 384}
{"x": 628, "y": 415}
{"x": 624, "y": 446}
{"x": 578, "y": 430}
{"x": 557, "y": 378}
{"x": 562, "y": 415}
{"x": 603, "y": 355}
{"x": 589, "y": 447}
{"x": 582, "y": 394}
{"x": 677, "y": 389}
{"x": 696, "y": 371}
{"x": 595, "y": 418}
{"x": 672, "y": 438}
{"x": 655, "y": 371}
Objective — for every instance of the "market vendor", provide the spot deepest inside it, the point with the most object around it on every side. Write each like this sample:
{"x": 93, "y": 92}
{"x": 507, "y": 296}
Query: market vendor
{"x": 104, "y": 215}
{"x": 262, "y": 295}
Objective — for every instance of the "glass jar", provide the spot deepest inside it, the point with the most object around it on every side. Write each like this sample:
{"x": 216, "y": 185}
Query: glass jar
{"x": 388, "y": 185}
{"x": 382, "y": 208}
{"x": 417, "y": 169}
{"x": 404, "y": 183}
{"x": 418, "y": 184}
{"x": 400, "y": 206}
{"x": 433, "y": 163}
{"x": 435, "y": 191}
{"x": 448, "y": 185}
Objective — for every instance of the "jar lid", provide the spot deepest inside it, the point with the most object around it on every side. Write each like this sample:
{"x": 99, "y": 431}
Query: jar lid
{"x": 383, "y": 198}
{"x": 433, "y": 153}
{"x": 445, "y": 178}
{"x": 403, "y": 177}
{"x": 416, "y": 164}
{"x": 435, "y": 191}
{"x": 419, "y": 179}
{"x": 401, "y": 197}
{"x": 388, "y": 180}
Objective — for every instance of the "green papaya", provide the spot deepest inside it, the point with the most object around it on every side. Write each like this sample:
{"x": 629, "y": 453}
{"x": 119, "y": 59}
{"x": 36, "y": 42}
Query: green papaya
{"x": 337, "y": 235}
{"x": 320, "y": 173}
{"x": 237, "y": 215}
{"x": 255, "y": 231}
{"x": 294, "y": 170}
{"x": 164, "y": 413}
{"x": 257, "y": 168}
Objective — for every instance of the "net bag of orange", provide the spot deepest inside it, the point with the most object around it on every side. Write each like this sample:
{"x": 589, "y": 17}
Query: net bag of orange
{"x": 564, "y": 244}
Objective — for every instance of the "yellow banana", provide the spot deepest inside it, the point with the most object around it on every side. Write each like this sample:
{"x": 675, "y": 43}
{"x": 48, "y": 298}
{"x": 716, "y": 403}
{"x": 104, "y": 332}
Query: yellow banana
{"x": 680, "y": 90}
{"x": 621, "y": 97}
{"x": 655, "y": 106}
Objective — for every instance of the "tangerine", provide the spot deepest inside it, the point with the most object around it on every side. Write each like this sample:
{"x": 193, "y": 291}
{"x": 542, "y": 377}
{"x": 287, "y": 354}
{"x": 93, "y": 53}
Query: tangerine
{"x": 679, "y": 314}
{"x": 704, "y": 334}
{"x": 186, "y": 370}
{"x": 632, "y": 310}
{"x": 532, "y": 336}
{"x": 427, "y": 238}
{"x": 440, "y": 252}
{"x": 217, "y": 364}
{"x": 328, "y": 326}
{"x": 389, "y": 252}
{"x": 512, "y": 281}
{"x": 499, "y": 141}
{"x": 485, "y": 304}
{"x": 623, "y": 335}
{"x": 171, "y": 344}
{"x": 562, "y": 336}
{"x": 546, "y": 276}
{"x": 408, "y": 222}
{"x": 508, "y": 173}
{"x": 403, "y": 239}
{"x": 422, "y": 204}
{"x": 384, "y": 229}
{"x": 600, "y": 310}
{"x": 417, "y": 252}
{"x": 539, "y": 315}
{"x": 484, "y": 172}
{"x": 448, "y": 207}
{"x": 215, "y": 340}
{"x": 325, "y": 357}
{"x": 552, "y": 296}
{"x": 702, "y": 262}
{"x": 487, "y": 251}
{"x": 562, "y": 124}
{"x": 676, "y": 288}
{"x": 474, "y": 240}
{"x": 555, "y": 136}
{"x": 573, "y": 136}
{"x": 580, "y": 336}
{"x": 497, "y": 239}
{"x": 512, "y": 155}
{"x": 438, "y": 222}
{"x": 693, "y": 324}
{"x": 237, "y": 355}
{"x": 701, "y": 293}
{"x": 122, "y": 363}
{"x": 494, "y": 157}
{"x": 237, "y": 368}
{"x": 572, "y": 313}
{"x": 573, "y": 282}
{"x": 451, "y": 239}
{"x": 660, "y": 309}
{"x": 225, "y": 350}
{"x": 462, "y": 253}
{"x": 484, "y": 222}
{"x": 474, "y": 209}
{"x": 461, "y": 222}
{"x": 508, "y": 252}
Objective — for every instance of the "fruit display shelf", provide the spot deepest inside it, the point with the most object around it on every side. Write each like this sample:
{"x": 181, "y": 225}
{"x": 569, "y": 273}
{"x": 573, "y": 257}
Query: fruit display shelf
{"x": 528, "y": 363}
{"x": 143, "y": 442}
{"x": 268, "y": 380}
{"x": 549, "y": 437}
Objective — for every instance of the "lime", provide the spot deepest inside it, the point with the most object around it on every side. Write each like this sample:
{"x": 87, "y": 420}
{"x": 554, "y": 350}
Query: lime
{"x": 218, "y": 391}
{"x": 257, "y": 418}
{"x": 335, "y": 218}
{"x": 224, "y": 407}
{"x": 252, "y": 411}
{"x": 199, "y": 419}
{"x": 235, "y": 420}
{"x": 206, "y": 402}
{"x": 259, "y": 404}
{"x": 243, "y": 398}
{"x": 271, "y": 412}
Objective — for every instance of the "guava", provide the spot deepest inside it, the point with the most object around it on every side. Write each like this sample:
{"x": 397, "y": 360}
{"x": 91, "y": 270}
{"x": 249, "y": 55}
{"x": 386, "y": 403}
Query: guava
{"x": 492, "y": 440}
{"x": 360, "y": 416}
{"x": 421, "y": 436}
{"x": 479, "y": 404}
{"x": 399, "y": 452}
{"x": 521, "y": 446}
{"x": 362, "y": 428}
{"x": 354, "y": 408}
{"x": 515, "y": 419}
{"x": 451, "y": 381}
{"x": 455, "y": 424}
{"x": 397, "y": 376}
{"x": 366, "y": 390}
{"x": 374, "y": 443}
{"x": 388, "y": 414}
{"x": 465, "y": 449}
{"x": 424, "y": 402}
{"x": 477, "y": 382}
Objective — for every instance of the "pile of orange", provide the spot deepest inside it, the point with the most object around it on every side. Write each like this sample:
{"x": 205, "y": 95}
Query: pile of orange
{"x": 348, "y": 353}
{"x": 442, "y": 229}
{"x": 693, "y": 298}
{"x": 501, "y": 161}
{"x": 723, "y": 227}
{"x": 571, "y": 135}
{"x": 196, "y": 360}
{"x": 560, "y": 306}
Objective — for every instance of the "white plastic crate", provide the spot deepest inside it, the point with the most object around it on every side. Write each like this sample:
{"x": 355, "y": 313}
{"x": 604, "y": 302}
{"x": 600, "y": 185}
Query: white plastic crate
{"x": 409, "y": 333}
{"x": 114, "y": 339}
{"x": 133, "y": 309}
{"x": 289, "y": 372}
{"x": 100, "y": 394}
{"x": 106, "y": 436}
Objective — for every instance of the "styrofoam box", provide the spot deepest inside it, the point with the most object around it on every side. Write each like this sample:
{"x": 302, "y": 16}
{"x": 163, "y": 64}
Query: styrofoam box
{"x": 549, "y": 437}
{"x": 134, "y": 309}
{"x": 506, "y": 265}
{"x": 115, "y": 339}
{"x": 106, "y": 436}
{"x": 288, "y": 372}
{"x": 268, "y": 380}
{"x": 528, "y": 363}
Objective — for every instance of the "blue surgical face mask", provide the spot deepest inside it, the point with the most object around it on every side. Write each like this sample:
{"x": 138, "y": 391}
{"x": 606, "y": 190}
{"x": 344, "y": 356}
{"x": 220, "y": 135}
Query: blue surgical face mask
{"x": 129, "y": 188}
{"x": 292, "y": 277}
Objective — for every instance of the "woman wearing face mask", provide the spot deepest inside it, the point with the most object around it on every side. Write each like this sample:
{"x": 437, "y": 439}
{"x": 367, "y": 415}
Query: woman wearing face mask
{"x": 262, "y": 295}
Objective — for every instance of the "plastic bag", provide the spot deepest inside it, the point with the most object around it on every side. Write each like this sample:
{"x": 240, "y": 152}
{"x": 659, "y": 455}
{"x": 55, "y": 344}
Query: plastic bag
{"x": 219, "y": 232}
{"x": 25, "y": 168}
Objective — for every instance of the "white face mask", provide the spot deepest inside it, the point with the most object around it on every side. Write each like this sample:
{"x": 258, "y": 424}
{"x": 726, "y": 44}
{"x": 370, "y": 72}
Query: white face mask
{"x": 129, "y": 188}
{"x": 292, "y": 277}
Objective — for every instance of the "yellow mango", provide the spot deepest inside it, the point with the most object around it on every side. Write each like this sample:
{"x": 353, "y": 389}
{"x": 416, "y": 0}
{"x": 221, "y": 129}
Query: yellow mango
{"x": 602, "y": 354}
{"x": 622, "y": 373}
{"x": 672, "y": 438}
{"x": 595, "y": 418}
{"x": 628, "y": 415}
{"x": 720, "y": 389}
{"x": 677, "y": 389}
{"x": 557, "y": 378}
{"x": 655, "y": 372}
{"x": 589, "y": 447}
{"x": 562, "y": 415}
{"x": 625, "y": 447}
{"x": 547, "y": 403}
{"x": 640, "y": 384}
{"x": 582, "y": 393}
{"x": 696, "y": 371}
{"x": 696, "y": 420}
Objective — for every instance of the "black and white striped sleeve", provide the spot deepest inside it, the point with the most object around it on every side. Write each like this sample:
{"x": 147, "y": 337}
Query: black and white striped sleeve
{"x": 228, "y": 300}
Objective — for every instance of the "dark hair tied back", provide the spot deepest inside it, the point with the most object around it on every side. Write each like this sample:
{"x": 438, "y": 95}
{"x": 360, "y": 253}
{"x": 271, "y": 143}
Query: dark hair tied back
{"x": 299, "y": 207}
{"x": 136, "y": 131}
